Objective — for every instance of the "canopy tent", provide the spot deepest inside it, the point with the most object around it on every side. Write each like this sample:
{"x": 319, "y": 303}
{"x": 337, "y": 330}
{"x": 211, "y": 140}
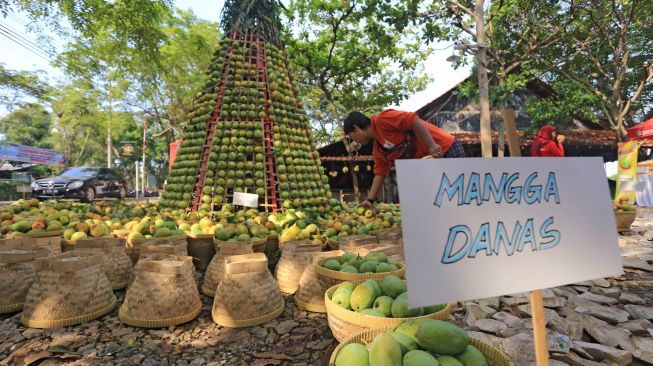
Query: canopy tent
{"x": 642, "y": 131}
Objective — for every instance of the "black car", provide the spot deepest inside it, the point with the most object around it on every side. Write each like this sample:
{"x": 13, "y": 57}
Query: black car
{"x": 84, "y": 183}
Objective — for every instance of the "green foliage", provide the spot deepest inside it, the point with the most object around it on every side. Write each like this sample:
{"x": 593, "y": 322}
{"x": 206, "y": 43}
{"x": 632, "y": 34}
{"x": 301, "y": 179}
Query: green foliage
{"x": 253, "y": 16}
{"x": 571, "y": 103}
{"x": 15, "y": 86}
{"x": 29, "y": 125}
{"x": 345, "y": 57}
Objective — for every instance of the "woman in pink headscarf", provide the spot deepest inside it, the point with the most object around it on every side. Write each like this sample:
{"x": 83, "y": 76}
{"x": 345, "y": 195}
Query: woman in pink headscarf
{"x": 548, "y": 143}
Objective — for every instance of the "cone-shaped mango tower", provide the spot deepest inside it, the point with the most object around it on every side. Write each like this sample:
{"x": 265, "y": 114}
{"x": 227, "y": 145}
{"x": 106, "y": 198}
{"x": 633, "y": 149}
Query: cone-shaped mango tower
{"x": 247, "y": 131}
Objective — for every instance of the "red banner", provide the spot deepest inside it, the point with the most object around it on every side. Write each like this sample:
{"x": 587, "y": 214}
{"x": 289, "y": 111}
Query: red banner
{"x": 174, "y": 147}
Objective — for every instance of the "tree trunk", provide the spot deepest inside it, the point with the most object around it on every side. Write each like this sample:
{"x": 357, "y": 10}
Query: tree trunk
{"x": 514, "y": 146}
{"x": 483, "y": 83}
{"x": 354, "y": 176}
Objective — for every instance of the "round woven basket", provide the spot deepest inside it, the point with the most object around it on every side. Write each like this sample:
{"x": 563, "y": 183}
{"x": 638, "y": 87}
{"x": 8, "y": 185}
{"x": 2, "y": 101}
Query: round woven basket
{"x": 70, "y": 288}
{"x": 310, "y": 293}
{"x": 133, "y": 248}
{"x": 164, "y": 247}
{"x": 201, "y": 248}
{"x": 258, "y": 246}
{"x": 392, "y": 250}
{"x": 391, "y": 233}
{"x": 215, "y": 271}
{"x": 272, "y": 252}
{"x": 295, "y": 257}
{"x": 115, "y": 262}
{"x": 49, "y": 239}
{"x": 624, "y": 219}
{"x": 18, "y": 272}
{"x": 494, "y": 356}
{"x": 164, "y": 293}
{"x": 332, "y": 278}
{"x": 344, "y": 323}
{"x": 21, "y": 242}
{"x": 248, "y": 294}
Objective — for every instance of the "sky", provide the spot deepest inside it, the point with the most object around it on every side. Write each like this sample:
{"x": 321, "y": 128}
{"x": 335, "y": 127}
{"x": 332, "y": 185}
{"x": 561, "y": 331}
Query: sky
{"x": 30, "y": 58}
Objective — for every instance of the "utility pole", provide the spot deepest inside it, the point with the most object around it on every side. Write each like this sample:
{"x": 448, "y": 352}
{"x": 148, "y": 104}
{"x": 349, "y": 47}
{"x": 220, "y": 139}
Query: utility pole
{"x": 109, "y": 127}
{"x": 143, "y": 155}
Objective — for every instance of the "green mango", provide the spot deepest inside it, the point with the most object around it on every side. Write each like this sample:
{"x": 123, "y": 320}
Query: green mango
{"x": 362, "y": 297}
{"x": 449, "y": 361}
{"x": 385, "y": 267}
{"x": 332, "y": 264}
{"x": 347, "y": 257}
{"x": 372, "y": 312}
{"x": 400, "y": 308}
{"x": 377, "y": 289}
{"x": 383, "y": 304}
{"x": 419, "y": 358}
{"x": 341, "y": 297}
{"x": 393, "y": 286}
{"x": 441, "y": 337}
{"x": 407, "y": 343}
{"x": 472, "y": 356}
{"x": 348, "y": 268}
{"x": 356, "y": 262}
{"x": 385, "y": 351}
{"x": 410, "y": 327}
{"x": 368, "y": 267}
{"x": 353, "y": 354}
{"x": 434, "y": 308}
{"x": 348, "y": 284}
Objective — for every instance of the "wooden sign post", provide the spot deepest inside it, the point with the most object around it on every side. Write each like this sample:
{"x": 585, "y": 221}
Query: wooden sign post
{"x": 537, "y": 305}
{"x": 476, "y": 228}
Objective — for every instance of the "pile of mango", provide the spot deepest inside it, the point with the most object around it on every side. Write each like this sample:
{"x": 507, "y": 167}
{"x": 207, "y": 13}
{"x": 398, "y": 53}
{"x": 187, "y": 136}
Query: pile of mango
{"x": 375, "y": 262}
{"x": 389, "y": 299}
{"x": 419, "y": 342}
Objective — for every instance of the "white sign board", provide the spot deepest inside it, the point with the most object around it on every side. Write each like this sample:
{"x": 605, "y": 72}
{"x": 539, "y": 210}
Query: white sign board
{"x": 477, "y": 228}
{"x": 245, "y": 199}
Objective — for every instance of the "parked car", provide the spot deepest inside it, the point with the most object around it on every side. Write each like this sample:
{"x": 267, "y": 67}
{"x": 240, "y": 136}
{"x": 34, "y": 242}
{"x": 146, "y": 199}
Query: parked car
{"x": 84, "y": 183}
{"x": 148, "y": 193}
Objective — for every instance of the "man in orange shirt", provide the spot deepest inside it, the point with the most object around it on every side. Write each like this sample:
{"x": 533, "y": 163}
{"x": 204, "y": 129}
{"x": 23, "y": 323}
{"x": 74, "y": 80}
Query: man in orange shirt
{"x": 398, "y": 135}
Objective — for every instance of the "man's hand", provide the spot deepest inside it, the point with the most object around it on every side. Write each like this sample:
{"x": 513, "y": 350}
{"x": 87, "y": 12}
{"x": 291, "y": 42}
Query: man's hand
{"x": 435, "y": 151}
{"x": 560, "y": 139}
{"x": 366, "y": 204}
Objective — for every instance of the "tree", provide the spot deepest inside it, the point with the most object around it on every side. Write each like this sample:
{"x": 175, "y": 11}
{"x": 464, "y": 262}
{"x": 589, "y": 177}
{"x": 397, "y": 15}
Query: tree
{"x": 597, "y": 54}
{"x": 15, "y": 86}
{"x": 347, "y": 58}
{"x": 161, "y": 92}
{"x": 29, "y": 125}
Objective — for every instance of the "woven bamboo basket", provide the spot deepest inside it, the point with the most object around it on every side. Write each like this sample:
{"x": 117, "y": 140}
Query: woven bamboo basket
{"x": 70, "y": 288}
{"x": 391, "y": 233}
{"x": 624, "y": 219}
{"x": 335, "y": 244}
{"x": 18, "y": 271}
{"x": 133, "y": 248}
{"x": 258, "y": 246}
{"x": 248, "y": 294}
{"x": 392, "y": 250}
{"x": 310, "y": 293}
{"x": 494, "y": 356}
{"x": 50, "y": 240}
{"x": 357, "y": 240}
{"x": 115, "y": 262}
{"x": 164, "y": 293}
{"x": 344, "y": 323}
{"x": 164, "y": 247}
{"x": 215, "y": 271}
{"x": 295, "y": 257}
{"x": 272, "y": 252}
{"x": 22, "y": 242}
{"x": 332, "y": 278}
{"x": 202, "y": 249}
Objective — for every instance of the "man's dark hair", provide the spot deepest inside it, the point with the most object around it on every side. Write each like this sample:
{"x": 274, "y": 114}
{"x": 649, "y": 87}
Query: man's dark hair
{"x": 355, "y": 119}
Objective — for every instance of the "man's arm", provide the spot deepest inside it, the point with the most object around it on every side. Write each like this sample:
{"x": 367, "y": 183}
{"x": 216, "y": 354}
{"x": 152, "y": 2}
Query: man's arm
{"x": 374, "y": 191}
{"x": 422, "y": 133}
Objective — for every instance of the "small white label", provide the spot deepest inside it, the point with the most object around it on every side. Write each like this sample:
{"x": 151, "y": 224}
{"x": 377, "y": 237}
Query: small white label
{"x": 245, "y": 199}
{"x": 388, "y": 145}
